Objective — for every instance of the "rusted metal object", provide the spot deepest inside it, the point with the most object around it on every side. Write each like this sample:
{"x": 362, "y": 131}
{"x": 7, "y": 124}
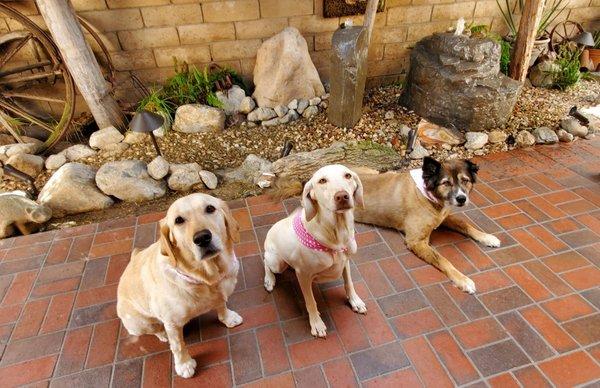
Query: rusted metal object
{"x": 18, "y": 174}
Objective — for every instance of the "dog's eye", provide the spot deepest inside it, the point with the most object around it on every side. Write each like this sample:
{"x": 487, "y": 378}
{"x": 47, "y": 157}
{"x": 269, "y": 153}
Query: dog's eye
{"x": 210, "y": 209}
{"x": 322, "y": 180}
{"x": 179, "y": 220}
{"x": 348, "y": 176}
{"x": 465, "y": 180}
{"x": 447, "y": 183}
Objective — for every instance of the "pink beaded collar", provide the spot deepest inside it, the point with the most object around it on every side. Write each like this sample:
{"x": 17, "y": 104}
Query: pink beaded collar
{"x": 308, "y": 239}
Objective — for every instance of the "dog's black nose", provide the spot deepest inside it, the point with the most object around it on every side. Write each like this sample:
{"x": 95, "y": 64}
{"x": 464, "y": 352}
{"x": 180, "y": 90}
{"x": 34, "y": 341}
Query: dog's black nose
{"x": 202, "y": 238}
{"x": 461, "y": 199}
{"x": 341, "y": 197}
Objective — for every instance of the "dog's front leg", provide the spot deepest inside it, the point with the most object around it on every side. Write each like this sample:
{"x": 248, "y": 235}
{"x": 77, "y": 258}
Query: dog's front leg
{"x": 184, "y": 364}
{"x": 355, "y": 301}
{"x": 229, "y": 317}
{"x": 423, "y": 250}
{"x": 317, "y": 326}
{"x": 462, "y": 226}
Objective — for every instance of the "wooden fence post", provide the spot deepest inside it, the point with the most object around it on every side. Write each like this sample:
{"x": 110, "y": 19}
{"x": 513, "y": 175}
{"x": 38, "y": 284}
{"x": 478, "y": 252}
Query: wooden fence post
{"x": 530, "y": 18}
{"x": 62, "y": 22}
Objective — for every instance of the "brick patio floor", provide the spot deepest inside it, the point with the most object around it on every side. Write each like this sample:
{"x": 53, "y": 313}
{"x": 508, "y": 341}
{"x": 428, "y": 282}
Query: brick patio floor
{"x": 534, "y": 321}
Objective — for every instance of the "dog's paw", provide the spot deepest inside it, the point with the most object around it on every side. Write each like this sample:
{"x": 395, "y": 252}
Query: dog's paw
{"x": 269, "y": 281}
{"x": 162, "y": 336}
{"x": 357, "y": 304}
{"x": 465, "y": 284}
{"x": 490, "y": 240}
{"x": 231, "y": 319}
{"x": 186, "y": 369}
{"x": 318, "y": 328}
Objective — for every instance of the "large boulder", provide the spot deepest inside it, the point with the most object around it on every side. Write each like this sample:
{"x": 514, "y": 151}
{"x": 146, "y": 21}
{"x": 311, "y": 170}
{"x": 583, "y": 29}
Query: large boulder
{"x": 72, "y": 190}
{"x": 284, "y": 70}
{"x": 106, "y": 137}
{"x": 128, "y": 180}
{"x": 455, "y": 81}
{"x": 8, "y": 150}
{"x": 29, "y": 164}
{"x": 194, "y": 118}
{"x": 250, "y": 170}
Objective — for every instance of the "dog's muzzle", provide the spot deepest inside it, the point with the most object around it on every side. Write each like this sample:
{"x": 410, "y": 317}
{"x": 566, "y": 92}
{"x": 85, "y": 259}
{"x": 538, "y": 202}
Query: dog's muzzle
{"x": 342, "y": 200}
{"x": 204, "y": 241}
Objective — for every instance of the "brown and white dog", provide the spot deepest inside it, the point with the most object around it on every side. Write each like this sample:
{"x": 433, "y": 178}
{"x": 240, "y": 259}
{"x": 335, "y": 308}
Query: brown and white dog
{"x": 191, "y": 270}
{"x": 419, "y": 201}
{"x": 317, "y": 239}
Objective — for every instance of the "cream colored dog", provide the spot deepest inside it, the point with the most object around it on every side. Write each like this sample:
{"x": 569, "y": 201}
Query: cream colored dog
{"x": 316, "y": 239}
{"x": 191, "y": 270}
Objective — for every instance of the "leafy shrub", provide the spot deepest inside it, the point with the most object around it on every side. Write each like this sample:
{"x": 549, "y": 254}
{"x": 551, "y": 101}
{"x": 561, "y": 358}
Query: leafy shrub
{"x": 568, "y": 61}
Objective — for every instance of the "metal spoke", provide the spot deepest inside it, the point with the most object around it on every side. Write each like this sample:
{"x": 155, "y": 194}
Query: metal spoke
{"x": 21, "y": 69}
{"x": 26, "y": 116}
{"x": 14, "y": 50}
{"x": 32, "y": 77}
{"x": 33, "y": 97}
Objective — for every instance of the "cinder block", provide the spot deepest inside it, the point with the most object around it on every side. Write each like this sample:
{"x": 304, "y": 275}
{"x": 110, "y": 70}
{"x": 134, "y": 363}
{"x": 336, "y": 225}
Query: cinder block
{"x": 134, "y": 3}
{"x": 229, "y": 11}
{"x": 314, "y": 24}
{"x": 412, "y": 14}
{"x": 133, "y": 60}
{"x": 149, "y": 38}
{"x": 172, "y": 15}
{"x": 239, "y": 49}
{"x": 115, "y": 20}
{"x": 190, "y": 54}
{"x": 206, "y": 33}
{"x": 261, "y": 28}
{"x": 453, "y": 11}
{"x": 280, "y": 8}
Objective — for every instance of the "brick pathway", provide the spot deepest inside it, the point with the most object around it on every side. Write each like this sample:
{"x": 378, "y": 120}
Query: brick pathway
{"x": 535, "y": 319}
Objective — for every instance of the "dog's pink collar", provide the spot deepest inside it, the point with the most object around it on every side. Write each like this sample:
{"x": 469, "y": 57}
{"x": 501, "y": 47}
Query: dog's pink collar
{"x": 307, "y": 239}
{"x": 417, "y": 176}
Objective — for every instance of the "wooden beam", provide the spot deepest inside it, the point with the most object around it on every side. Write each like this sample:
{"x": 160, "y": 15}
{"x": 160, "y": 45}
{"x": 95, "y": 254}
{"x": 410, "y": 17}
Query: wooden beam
{"x": 528, "y": 25}
{"x": 60, "y": 18}
{"x": 369, "y": 21}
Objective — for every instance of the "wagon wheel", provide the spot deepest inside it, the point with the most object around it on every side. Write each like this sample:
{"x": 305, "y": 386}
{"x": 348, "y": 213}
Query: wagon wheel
{"x": 564, "y": 32}
{"x": 37, "y": 92}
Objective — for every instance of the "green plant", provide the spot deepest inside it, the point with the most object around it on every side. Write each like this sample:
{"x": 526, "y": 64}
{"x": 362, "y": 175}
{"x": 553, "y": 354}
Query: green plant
{"x": 158, "y": 102}
{"x": 550, "y": 13}
{"x": 568, "y": 62}
{"x": 596, "y": 35}
{"x": 505, "y": 49}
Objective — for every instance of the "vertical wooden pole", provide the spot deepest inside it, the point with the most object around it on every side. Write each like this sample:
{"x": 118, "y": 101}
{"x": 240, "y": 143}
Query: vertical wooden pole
{"x": 530, "y": 18}
{"x": 60, "y": 18}
{"x": 369, "y": 20}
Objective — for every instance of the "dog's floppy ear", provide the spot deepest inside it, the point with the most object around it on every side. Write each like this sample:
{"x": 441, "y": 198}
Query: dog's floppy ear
{"x": 359, "y": 198}
{"x": 166, "y": 246}
{"x": 308, "y": 202}
{"x": 431, "y": 169}
{"x": 232, "y": 226}
{"x": 473, "y": 169}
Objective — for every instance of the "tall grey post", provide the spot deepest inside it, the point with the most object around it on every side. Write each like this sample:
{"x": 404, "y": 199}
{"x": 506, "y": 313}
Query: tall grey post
{"x": 348, "y": 75}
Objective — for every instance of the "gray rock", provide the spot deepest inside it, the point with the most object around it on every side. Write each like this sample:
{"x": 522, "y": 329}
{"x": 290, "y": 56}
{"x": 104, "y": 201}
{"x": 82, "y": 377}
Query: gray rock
{"x": 281, "y": 110}
{"x": 249, "y": 171}
{"x": 54, "y": 162}
{"x": 475, "y": 140}
{"x": 314, "y": 101}
{"x": 247, "y": 105}
{"x": 543, "y": 75}
{"x": 29, "y": 164}
{"x": 293, "y": 104}
{"x": 209, "y": 179}
{"x": 310, "y": 111}
{"x": 404, "y": 131}
{"x": 572, "y": 125}
{"x": 496, "y": 137}
{"x": 195, "y": 118}
{"x": 158, "y": 168}
{"x": 184, "y": 176}
{"x": 136, "y": 137}
{"x": 291, "y": 115}
{"x": 284, "y": 70}
{"x": 389, "y": 115}
{"x": 261, "y": 114}
{"x": 78, "y": 152}
{"x": 455, "y": 80}
{"x": 545, "y": 135}
{"x": 129, "y": 181}
{"x": 302, "y": 104}
{"x": 105, "y": 137}
{"x": 418, "y": 152}
{"x": 271, "y": 122}
{"x": 564, "y": 136}
{"x": 324, "y": 105}
{"x": 114, "y": 149}
{"x": 8, "y": 150}
{"x": 231, "y": 99}
{"x": 72, "y": 190}
{"x": 524, "y": 139}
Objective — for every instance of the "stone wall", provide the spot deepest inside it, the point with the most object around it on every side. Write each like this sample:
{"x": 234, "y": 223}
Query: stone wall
{"x": 145, "y": 35}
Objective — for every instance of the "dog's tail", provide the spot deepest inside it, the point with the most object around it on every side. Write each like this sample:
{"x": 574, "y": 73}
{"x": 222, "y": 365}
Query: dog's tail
{"x": 286, "y": 187}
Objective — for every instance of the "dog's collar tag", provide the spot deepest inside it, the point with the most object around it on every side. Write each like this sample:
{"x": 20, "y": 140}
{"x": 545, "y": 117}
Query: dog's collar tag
{"x": 417, "y": 176}
{"x": 307, "y": 239}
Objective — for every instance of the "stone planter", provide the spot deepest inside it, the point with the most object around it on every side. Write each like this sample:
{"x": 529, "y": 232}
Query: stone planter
{"x": 539, "y": 47}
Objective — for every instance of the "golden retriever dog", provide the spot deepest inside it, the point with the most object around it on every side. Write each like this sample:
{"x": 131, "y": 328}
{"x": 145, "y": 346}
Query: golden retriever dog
{"x": 419, "y": 201}
{"x": 191, "y": 270}
{"x": 316, "y": 239}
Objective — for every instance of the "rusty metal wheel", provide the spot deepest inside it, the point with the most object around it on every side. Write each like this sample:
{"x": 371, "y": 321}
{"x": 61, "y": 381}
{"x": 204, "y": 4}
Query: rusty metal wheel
{"x": 564, "y": 32}
{"x": 37, "y": 93}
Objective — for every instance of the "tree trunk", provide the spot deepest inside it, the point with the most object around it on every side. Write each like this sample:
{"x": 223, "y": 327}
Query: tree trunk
{"x": 530, "y": 18}
{"x": 60, "y": 18}
{"x": 362, "y": 154}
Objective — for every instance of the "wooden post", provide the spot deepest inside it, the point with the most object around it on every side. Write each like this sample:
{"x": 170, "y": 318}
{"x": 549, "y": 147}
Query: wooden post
{"x": 528, "y": 25}
{"x": 60, "y": 18}
{"x": 369, "y": 20}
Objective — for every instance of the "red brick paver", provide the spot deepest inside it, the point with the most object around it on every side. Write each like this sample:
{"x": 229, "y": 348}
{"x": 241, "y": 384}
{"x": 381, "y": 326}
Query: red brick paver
{"x": 534, "y": 321}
